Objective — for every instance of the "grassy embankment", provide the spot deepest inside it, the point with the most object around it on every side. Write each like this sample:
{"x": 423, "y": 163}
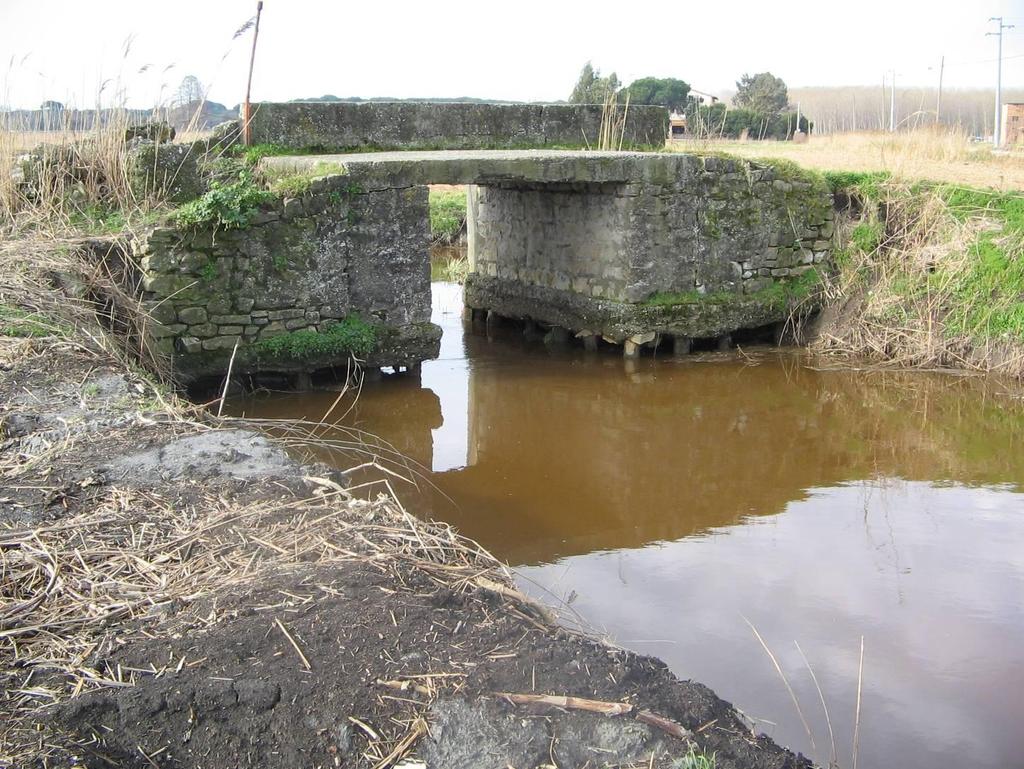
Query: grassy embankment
{"x": 930, "y": 259}
{"x": 929, "y": 275}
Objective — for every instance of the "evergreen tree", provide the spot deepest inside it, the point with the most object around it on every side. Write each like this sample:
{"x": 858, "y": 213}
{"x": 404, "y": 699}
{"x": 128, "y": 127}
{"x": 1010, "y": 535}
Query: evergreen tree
{"x": 591, "y": 88}
{"x": 762, "y": 93}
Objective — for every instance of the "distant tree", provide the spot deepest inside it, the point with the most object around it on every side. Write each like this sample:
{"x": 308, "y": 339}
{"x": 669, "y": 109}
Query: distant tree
{"x": 53, "y": 107}
{"x": 591, "y": 88}
{"x": 666, "y": 91}
{"x": 190, "y": 90}
{"x": 762, "y": 93}
{"x": 720, "y": 121}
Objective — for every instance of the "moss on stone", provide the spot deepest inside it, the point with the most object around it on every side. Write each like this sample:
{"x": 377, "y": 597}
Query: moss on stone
{"x": 352, "y": 336}
{"x": 782, "y": 293}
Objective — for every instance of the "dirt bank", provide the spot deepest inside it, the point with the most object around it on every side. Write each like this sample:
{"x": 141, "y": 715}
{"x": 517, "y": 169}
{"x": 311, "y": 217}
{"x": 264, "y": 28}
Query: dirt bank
{"x": 180, "y": 592}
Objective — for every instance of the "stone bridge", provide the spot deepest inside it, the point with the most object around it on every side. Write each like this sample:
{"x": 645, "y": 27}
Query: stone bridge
{"x": 633, "y": 248}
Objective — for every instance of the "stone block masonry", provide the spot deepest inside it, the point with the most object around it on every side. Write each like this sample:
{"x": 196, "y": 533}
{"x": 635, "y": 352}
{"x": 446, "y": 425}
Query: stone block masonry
{"x": 689, "y": 246}
{"x": 337, "y": 270}
{"x": 428, "y": 125}
{"x": 625, "y": 246}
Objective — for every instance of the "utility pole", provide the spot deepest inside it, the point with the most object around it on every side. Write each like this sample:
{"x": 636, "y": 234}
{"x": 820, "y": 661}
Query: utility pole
{"x": 938, "y": 98}
{"x": 247, "y": 107}
{"x": 997, "y": 138}
{"x": 892, "y": 103}
{"x": 881, "y": 109}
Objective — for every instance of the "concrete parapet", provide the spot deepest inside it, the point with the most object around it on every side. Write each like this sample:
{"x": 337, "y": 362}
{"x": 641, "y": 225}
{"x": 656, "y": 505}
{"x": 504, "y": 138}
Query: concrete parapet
{"x": 432, "y": 125}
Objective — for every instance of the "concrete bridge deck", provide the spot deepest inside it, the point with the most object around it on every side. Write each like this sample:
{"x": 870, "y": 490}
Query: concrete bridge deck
{"x": 490, "y": 166}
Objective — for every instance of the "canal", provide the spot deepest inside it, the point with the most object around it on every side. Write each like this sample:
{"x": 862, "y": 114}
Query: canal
{"x": 686, "y": 507}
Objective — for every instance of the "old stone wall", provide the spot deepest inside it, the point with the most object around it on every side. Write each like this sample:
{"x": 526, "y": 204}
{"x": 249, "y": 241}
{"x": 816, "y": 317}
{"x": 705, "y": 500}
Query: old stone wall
{"x": 426, "y": 125}
{"x": 709, "y": 226}
{"x": 305, "y": 264}
{"x": 569, "y": 236}
{"x": 619, "y": 245}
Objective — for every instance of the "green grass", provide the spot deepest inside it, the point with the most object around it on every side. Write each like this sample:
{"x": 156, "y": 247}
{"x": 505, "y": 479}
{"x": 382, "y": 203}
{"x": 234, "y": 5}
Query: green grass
{"x": 782, "y": 292}
{"x": 15, "y": 321}
{"x": 298, "y": 184}
{"x": 254, "y": 154}
{"x": 99, "y": 220}
{"x": 227, "y": 205}
{"x": 449, "y": 269}
{"x": 866, "y": 182}
{"x": 867, "y": 235}
{"x": 990, "y": 292}
{"x": 947, "y": 263}
{"x": 352, "y": 336}
{"x": 696, "y": 758}
{"x": 447, "y": 214}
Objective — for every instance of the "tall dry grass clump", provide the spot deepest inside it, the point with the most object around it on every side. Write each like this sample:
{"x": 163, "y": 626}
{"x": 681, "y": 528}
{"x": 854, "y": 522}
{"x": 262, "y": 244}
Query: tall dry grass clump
{"x": 612, "y": 131}
{"x": 73, "y": 175}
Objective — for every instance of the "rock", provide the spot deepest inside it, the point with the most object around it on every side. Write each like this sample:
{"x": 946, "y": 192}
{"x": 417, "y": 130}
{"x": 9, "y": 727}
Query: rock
{"x": 219, "y": 305}
{"x": 192, "y": 315}
{"x": 154, "y": 132}
{"x": 189, "y": 345}
{"x": 203, "y": 331}
{"x": 160, "y": 331}
{"x": 233, "y": 320}
{"x": 162, "y": 312}
{"x": 167, "y": 170}
{"x": 220, "y": 343}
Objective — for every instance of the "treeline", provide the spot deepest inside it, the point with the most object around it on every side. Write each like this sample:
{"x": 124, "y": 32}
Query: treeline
{"x": 55, "y": 117}
{"x": 720, "y": 121}
{"x": 329, "y": 97}
{"x": 866, "y": 108}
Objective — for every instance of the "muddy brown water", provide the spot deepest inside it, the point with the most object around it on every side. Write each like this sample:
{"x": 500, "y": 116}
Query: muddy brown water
{"x": 676, "y": 504}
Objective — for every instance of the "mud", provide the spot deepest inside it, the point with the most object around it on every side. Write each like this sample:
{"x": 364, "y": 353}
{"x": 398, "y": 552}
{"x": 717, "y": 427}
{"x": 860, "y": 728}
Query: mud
{"x": 217, "y": 453}
{"x": 317, "y": 667}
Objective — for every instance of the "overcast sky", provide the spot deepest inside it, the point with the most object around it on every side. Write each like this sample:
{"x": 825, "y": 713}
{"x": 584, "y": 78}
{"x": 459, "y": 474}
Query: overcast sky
{"x": 522, "y": 50}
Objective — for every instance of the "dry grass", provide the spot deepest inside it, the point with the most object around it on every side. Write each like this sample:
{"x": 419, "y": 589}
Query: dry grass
{"x": 75, "y": 587}
{"x": 136, "y": 563}
{"x": 81, "y": 292}
{"x": 25, "y": 141}
{"x": 77, "y": 173}
{"x": 934, "y": 155}
{"x": 80, "y": 176}
{"x": 139, "y": 565}
{"x": 936, "y": 287}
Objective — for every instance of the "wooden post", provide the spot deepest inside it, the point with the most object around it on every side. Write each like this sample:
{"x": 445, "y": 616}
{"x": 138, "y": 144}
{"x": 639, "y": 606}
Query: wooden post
{"x": 247, "y": 106}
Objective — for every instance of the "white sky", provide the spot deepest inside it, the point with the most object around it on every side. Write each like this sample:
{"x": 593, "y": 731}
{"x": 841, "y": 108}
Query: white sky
{"x": 518, "y": 49}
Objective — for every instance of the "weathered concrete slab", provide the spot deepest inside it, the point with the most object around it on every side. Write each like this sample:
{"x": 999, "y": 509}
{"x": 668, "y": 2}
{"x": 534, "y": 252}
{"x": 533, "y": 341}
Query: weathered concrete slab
{"x": 432, "y": 125}
{"x": 484, "y": 166}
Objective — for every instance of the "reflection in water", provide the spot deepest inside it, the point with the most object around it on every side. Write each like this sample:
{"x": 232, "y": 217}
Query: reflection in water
{"x": 674, "y": 499}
